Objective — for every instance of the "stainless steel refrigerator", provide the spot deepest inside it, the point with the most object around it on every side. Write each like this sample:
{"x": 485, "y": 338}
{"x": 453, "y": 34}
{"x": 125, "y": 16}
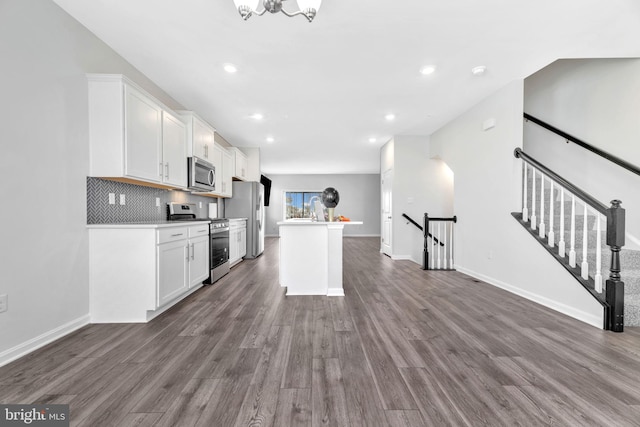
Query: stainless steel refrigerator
{"x": 248, "y": 202}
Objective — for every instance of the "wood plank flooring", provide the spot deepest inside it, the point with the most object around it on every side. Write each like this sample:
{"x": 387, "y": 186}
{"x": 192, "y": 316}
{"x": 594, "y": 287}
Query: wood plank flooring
{"x": 404, "y": 347}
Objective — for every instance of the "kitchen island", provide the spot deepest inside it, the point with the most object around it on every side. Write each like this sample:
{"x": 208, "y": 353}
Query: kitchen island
{"x": 311, "y": 257}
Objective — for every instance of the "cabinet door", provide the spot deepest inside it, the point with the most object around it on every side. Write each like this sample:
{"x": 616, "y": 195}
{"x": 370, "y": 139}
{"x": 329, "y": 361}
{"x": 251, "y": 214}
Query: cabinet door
{"x": 234, "y": 245}
{"x": 173, "y": 270}
{"x": 227, "y": 165}
{"x": 174, "y": 150}
{"x": 217, "y": 163}
{"x": 242, "y": 251}
{"x": 203, "y": 137}
{"x": 143, "y": 136}
{"x": 198, "y": 260}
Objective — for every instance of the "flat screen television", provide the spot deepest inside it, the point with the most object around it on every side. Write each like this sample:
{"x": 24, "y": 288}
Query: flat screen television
{"x": 267, "y": 188}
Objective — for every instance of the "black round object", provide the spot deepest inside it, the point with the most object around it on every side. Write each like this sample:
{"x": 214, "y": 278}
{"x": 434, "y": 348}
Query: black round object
{"x": 330, "y": 197}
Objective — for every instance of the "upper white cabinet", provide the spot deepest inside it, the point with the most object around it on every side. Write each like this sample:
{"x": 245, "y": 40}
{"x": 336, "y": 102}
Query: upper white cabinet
{"x": 240, "y": 164}
{"x": 174, "y": 150}
{"x": 132, "y": 135}
{"x": 200, "y": 136}
{"x": 223, "y": 163}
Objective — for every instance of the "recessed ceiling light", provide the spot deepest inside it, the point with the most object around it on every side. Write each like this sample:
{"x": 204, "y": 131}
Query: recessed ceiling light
{"x": 479, "y": 70}
{"x": 270, "y": 139}
{"x": 372, "y": 140}
{"x": 230, "y": 68}
{"x": 427, "y": 69}
{"x": 257, "y": 116}
{"x": 390, "y": 116}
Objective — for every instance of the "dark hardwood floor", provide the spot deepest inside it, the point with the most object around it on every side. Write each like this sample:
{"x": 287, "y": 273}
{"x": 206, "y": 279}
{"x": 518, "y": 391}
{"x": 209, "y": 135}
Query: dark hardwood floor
{"x": 404, "y": 347}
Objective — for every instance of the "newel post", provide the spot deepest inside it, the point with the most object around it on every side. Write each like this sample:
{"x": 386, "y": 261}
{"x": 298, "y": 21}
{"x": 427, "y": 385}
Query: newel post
{"x": 425, "y": 250}
{"x": 615, "y": 287}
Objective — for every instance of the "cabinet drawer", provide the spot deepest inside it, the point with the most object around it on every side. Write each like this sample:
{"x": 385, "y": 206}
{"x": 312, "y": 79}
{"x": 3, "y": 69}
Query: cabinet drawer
{"x": 199, "y": 230}
{"x": 172, "y": 234}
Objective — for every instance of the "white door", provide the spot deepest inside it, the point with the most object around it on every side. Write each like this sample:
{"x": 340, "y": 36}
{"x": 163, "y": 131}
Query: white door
{"x": 387, "y": 184}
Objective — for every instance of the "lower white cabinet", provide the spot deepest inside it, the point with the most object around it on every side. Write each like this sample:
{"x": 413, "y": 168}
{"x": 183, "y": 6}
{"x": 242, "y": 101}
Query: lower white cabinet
{"x": 139, "y": 271}
{"x": 237, "y": 240}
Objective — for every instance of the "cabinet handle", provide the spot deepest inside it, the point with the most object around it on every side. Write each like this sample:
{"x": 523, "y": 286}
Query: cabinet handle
{"x": 176, "y": 235}
{"x": 167, "y": 170}
{"x": 193, "y": 251}
{"x": 161, "y": 166}
{"x": 187, "y": 252}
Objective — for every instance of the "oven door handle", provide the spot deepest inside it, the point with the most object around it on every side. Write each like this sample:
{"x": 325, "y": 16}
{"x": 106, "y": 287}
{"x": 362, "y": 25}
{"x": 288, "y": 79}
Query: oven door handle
{"x": 219, "y": 230}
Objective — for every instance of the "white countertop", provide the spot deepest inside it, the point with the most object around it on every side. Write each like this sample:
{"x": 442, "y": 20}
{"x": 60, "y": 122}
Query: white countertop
{"x": 307, "y": 222}
{"x": 149, "y": 224}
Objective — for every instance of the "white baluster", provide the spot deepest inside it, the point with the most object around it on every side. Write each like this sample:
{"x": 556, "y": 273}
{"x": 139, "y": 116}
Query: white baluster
{"x": 525, "y": 210}
{"x": 551, "y": 234}
{"x": 439, "y": 245}
{"x": 598, "y": 277}
{"x": 433, "y": 245}
{"x": 445, "y": 247}
{"x": 572, "y": 250}
{"x": 533, "y": 201}
{"x": 561, "y": 248}
{"x": 451, "y": 247}
{"x": 585, "y": 243}
{"x": 541, "y": 227}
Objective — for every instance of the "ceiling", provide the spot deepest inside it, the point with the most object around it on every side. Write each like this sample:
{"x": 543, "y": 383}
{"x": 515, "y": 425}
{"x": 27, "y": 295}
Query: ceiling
{"x": 325, "y": 87}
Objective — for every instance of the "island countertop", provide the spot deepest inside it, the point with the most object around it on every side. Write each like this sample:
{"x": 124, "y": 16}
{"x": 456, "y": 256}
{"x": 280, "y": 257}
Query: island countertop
{"x": 307, "y": 222}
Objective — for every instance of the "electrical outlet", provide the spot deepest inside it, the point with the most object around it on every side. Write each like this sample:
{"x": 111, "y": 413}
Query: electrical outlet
{"x": 122, "y": 199}
{"x": 200, "y": 205}
{"x": 4, "y": 303}
{"x": 157, "y": 202}
{"x": 112, "y": 198}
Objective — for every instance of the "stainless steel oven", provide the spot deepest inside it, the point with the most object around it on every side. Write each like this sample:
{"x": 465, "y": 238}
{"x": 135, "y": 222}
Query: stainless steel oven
{"x": 218, "y": 249}
{"x": 218, "y": 238}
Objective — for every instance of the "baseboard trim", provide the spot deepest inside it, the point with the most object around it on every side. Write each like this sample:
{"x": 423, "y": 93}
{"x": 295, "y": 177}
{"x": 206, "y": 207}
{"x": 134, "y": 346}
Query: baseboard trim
{"x": 587, "y": 318}
{"x": 401, "y": 257}
{"x": 33, "y": 344}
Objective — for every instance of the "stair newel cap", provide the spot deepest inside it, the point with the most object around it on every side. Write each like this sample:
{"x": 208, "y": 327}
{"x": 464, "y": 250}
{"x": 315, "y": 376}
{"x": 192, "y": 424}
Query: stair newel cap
{"x": 616, "y": 224}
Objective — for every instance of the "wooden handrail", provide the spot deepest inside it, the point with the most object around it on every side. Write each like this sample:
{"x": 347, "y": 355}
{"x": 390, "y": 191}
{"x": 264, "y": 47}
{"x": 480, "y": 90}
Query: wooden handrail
{"x": 584, "y": 196}
{"x": 614, "y": 159}
{"x": 421, "y": 229}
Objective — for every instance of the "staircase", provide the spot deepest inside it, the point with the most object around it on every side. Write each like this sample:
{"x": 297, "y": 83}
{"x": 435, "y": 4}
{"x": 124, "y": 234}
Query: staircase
{"x": 629, "y": 259}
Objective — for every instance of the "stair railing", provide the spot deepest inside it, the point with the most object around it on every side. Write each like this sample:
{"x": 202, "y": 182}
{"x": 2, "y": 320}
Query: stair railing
{"x": 570, "y": 138}
{"x": 434, "y": 256}
{"x": 534, "y": 216}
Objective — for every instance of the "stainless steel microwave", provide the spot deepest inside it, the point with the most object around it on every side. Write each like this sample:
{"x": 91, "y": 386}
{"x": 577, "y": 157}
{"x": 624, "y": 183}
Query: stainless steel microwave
{"x": 202, "y": 175}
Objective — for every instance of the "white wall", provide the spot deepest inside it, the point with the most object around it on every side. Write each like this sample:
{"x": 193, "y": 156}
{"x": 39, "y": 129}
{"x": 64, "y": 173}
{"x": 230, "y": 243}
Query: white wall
{"x": 490, "y": 244}
{"x": 359, "y": 199}
{"x": 44, "y": 268}
{"x": 598, "y": 101}
{"x": 420, "y": 184}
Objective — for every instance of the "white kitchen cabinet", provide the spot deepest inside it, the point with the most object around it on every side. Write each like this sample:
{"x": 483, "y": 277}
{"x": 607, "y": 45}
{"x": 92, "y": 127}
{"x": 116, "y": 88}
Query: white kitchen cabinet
{"x": 142, "y": 137}
{"x": 200, "y": 136}
{"x": 173, "y": 271}
{"x": 133, "y": 136}
{"x": 227, "y": 173}
{"x": 174, "y": 150}
{"x": 198, "y": 254}
{"x": 240, "y": 164}
{"x": 139, "y": 271}
{"x": 237, "y": 240}
{"x": 223, "y": 163}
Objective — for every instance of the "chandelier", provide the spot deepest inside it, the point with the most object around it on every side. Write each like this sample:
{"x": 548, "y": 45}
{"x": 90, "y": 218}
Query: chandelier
{"x": 308, "y": 8}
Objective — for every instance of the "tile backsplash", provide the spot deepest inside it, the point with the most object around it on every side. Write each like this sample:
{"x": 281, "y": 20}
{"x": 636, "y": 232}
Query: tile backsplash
{"x": 140, "y": 202}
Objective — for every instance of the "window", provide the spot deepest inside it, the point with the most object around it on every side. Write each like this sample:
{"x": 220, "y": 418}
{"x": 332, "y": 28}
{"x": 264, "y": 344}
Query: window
{"x": 300, "y": 204}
